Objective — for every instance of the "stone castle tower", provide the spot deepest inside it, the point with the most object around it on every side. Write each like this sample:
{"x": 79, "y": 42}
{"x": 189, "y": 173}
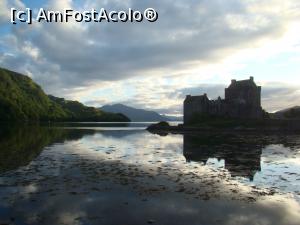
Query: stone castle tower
{"x": 242, "y": 100}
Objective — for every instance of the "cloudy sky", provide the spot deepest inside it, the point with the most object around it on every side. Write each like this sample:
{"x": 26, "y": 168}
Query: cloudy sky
{"x": 195, "y": 46}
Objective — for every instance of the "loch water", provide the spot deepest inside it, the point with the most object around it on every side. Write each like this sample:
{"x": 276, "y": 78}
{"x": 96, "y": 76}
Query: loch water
{"x": 119, "y": 173}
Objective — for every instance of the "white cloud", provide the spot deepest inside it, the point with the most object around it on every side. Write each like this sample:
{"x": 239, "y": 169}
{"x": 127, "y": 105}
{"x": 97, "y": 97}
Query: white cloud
{"x": 4, "y": 11}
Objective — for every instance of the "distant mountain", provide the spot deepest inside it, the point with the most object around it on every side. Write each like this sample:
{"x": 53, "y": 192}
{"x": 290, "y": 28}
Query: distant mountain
{"x": 137, "y": 115}
{"x": 289, "y": 113}
{"x": 23, "y": 100}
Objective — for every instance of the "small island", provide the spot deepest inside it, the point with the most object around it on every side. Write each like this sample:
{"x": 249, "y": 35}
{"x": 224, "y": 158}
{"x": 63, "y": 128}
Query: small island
{"x": 240, "y": 111}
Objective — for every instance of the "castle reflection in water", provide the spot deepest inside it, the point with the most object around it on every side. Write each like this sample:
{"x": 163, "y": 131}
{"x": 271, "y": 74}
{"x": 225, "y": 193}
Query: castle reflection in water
{"x": 241, "y": 159}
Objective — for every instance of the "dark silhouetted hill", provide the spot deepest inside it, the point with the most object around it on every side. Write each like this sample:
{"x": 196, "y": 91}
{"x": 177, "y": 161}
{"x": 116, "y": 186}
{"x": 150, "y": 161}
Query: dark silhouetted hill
{"x": 289, "y": 113}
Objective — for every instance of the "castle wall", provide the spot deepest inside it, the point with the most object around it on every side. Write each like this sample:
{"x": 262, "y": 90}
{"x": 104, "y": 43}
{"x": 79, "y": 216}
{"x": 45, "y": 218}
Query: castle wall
{"x": 202, "y": 105}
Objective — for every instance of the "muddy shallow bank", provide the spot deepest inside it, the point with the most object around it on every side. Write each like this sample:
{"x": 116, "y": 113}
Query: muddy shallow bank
{"x": 89, "y": 176}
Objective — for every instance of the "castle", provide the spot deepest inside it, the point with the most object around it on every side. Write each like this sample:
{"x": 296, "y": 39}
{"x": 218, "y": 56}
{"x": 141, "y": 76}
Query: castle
{"x": 242, "y": 101}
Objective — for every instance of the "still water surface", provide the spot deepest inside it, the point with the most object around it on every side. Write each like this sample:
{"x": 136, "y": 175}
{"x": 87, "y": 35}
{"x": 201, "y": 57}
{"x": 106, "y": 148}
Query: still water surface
{"x": 83, "y": 173}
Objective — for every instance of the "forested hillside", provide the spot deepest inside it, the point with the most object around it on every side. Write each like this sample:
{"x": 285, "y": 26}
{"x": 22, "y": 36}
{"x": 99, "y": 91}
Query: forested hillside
{"x": 21, "y": 99}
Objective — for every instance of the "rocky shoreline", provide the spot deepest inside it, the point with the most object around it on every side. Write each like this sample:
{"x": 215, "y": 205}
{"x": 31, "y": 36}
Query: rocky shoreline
{"x": 264, "y": 126}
